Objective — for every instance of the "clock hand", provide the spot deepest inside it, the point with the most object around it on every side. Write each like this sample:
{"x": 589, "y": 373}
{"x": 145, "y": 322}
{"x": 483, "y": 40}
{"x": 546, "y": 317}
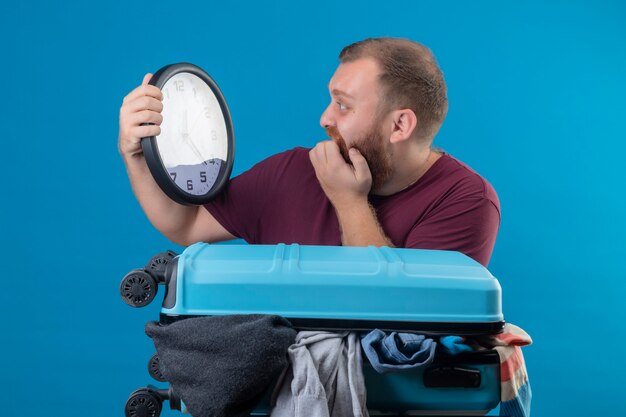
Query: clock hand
{"x": 186, "y": 137}
{"x": 193, "y": 147}
{"x": 185, "y": 126}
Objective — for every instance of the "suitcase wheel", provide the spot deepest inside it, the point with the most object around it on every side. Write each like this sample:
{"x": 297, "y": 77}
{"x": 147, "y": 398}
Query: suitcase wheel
{"x": 138, "y": 288}
{"x": 156, "y": 266}
{"x": 143, "y": 403}
{"x": 153, "y": 368}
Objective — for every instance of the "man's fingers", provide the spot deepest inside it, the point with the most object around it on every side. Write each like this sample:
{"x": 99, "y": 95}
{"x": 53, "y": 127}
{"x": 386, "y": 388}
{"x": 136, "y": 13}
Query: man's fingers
{"x": 318, "y": 153}
{"x": 333, "y": 155}
{"x": 323, "y": 153}
{"x": 361, "y": 169}
{"x": 139, "y": 125}
{"x": 146, "y": 131}
{"x": 313, "y": 156}
{"x": 327, "y": 154}
{"x": 144, "y": 103}
{"x": 140, "y": 116}
{"x": 132, "y": 145}
{"x": 144, "y": 90}
{"x": 145, "y": 116}
{"x": 340, "y": 181}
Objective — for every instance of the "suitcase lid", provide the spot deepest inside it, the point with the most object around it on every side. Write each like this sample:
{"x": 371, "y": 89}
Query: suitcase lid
{"x": 337, "y": 287}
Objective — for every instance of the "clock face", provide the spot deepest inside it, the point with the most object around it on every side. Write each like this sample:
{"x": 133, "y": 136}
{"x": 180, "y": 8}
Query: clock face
{"x": 193, "y": 144}
{"x": 191, "y": 160}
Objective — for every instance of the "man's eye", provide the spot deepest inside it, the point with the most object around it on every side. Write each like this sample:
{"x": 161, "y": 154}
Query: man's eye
{"x": 342, "y": 106}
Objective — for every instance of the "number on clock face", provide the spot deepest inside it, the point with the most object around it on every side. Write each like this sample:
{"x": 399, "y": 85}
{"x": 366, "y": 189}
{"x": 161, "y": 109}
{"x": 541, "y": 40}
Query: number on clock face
{"x": 196, "y": 179}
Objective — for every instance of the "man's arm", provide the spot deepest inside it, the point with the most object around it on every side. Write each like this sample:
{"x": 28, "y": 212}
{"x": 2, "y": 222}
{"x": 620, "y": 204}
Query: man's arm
{"x": 181, "y": 224}
{"x": 347, "y": 188}
{"x": 360, "y": 227}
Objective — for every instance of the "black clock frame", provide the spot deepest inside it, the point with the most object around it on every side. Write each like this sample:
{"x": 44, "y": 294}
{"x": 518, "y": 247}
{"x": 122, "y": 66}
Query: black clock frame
{"x": 151, "y": 149}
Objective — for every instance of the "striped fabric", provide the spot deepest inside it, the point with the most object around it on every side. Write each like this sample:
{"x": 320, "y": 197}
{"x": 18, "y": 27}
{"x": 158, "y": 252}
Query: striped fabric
{"x": 515, "y": 387}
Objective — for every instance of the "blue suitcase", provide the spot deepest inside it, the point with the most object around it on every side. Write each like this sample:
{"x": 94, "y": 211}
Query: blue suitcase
{"x": 340, "y": 288}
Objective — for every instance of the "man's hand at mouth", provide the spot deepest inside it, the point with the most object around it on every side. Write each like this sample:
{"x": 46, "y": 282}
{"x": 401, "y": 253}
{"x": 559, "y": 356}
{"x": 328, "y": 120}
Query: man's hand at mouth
{"x": 344, "y": 184}
{"x": 347, "y": 187}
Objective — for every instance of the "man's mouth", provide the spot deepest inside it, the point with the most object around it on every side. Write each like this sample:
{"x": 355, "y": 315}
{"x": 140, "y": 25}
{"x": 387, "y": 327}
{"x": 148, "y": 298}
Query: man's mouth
{"x": 334, "y": 134}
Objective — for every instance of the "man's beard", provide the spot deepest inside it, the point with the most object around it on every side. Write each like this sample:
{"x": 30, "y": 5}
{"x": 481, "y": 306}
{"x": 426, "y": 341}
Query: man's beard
{"x": 371, "y": 145}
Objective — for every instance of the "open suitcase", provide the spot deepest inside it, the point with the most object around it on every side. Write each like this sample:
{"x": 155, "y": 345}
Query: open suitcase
{"x": 340, "y": 288}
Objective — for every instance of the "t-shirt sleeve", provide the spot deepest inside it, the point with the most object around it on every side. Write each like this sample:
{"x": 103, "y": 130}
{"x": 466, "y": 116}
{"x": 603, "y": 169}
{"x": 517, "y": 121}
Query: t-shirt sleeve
{"x": 239, "y": 207}
{"x": 469, "y": 226}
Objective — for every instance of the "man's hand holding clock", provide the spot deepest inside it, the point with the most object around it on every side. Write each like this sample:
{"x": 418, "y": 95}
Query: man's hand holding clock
{"x": 140, "y": 116}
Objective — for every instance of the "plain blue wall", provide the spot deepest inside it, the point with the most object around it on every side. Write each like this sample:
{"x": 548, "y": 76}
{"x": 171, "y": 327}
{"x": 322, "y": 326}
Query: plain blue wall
{"x": 536, "y": 105}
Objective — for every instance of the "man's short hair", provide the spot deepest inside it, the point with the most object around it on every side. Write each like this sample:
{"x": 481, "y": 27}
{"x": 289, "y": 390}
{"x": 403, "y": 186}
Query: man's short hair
{"x": 410, "y": 78}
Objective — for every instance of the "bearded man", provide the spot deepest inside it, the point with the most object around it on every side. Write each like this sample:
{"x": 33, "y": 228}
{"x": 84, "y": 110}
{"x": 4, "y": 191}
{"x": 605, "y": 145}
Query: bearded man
{"x": 378, "y": 181}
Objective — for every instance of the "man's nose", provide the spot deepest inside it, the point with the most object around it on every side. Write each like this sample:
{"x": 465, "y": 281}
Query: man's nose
{"x": 326, "y": 119}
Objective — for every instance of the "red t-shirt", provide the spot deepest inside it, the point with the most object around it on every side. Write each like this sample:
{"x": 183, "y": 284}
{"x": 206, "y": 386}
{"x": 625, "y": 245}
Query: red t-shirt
{"x": 280, "y": 200}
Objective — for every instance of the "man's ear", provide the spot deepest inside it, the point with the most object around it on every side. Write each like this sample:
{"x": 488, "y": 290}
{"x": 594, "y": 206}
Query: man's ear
{"x": 404, "y": 124}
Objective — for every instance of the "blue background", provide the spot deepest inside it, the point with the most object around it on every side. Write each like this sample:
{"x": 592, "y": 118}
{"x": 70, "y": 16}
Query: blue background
{"x": 536, "y": 106}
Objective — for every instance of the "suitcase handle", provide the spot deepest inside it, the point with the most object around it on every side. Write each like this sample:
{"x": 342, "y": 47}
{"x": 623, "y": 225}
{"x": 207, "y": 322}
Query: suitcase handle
{"x": 451, "y": 377}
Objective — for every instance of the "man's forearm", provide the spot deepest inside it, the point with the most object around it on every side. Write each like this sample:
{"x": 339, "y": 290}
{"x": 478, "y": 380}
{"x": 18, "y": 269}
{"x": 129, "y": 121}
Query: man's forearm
{"x": 170, "y": 218}
{"x": 359, "y": 226}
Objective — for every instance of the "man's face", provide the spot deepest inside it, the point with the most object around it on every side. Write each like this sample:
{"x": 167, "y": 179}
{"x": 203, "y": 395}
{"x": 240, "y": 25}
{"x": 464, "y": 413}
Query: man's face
{"x": 352, "y": 119}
